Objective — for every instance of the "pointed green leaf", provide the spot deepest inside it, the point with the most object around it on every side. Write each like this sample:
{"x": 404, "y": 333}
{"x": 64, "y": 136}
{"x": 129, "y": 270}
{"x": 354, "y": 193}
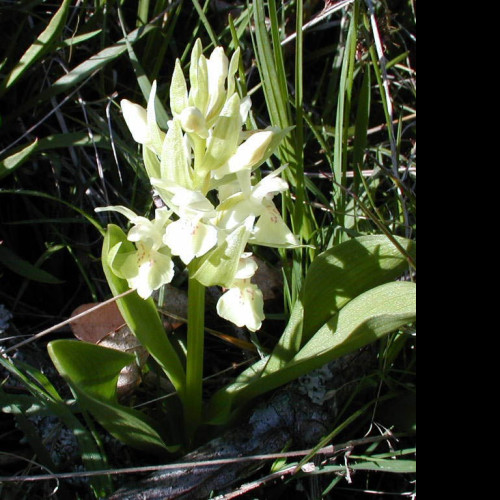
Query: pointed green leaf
{"x": 40, "y": 47}
{"x": 178, "y": 90}
{"x": 218, "y": 267}
{"x": 174, "y": 162}
{"x": 334, "y": 278}
{"x": 92, "y": 372}
{"x": 368, "y": 317}
{"x": 151, "y": 163}
{"x": 141, "y": 315}
{"x": 8, "y": 165}
{"x": 20, "y": 266}
{"x": 224, "y": 140}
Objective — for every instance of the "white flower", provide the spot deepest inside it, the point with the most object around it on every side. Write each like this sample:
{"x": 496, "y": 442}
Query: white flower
{"x": 270, "y": 228}
{"x": 150, "y": 266}
{"x": 248, "y": 154}
{"x": 147, "y": 269}
{"x": 142, "y": 122}
{"x": 193, "y": 235}
{"x": 190, "y": 238}
{"x": 243, "y": 303}
{"x": 205, "y": 149}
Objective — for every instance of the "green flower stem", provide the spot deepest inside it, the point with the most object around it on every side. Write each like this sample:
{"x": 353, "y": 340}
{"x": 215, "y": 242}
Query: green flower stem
{"x": 195, "y": 352}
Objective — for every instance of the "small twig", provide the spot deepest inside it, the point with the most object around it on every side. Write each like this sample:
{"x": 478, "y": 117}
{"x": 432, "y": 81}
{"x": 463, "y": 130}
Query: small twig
{"x": 254, "y": 485}
{"x": 66, "y": 322}
{"x": 322, "y": 15}
{"x": 327, "y": 450}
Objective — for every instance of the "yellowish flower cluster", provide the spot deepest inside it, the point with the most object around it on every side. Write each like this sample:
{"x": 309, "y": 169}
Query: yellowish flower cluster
{"x": 205, "y": 150}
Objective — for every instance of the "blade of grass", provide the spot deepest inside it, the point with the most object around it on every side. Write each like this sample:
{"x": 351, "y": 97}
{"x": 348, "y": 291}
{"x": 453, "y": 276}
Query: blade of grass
{"x": 142, "y": 78}
{"x": 342, "y": 123}
{"x": 25, "y": 192}
{"x": 270, "y": 62}
{"x": 23, "y": 268}
{"x": 204, "y": 20}
{"x": 40, "y": 47}
{"x": 14, "y": 161}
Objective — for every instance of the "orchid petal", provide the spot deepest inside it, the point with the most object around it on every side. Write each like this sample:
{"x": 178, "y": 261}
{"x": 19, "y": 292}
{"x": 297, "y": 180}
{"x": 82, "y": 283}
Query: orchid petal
{"x": 217, "y": 67}
{"x": 247, "y": 267}
{"x": 272, "y": 231}
{"x": 243, "y": 306}
{"x": 189, "y": 239}
{"x": 247, "y": 155}
{"x": 178, "y": 90}
{"x": 136, "y": 119}
{"x": 155, "y": 270}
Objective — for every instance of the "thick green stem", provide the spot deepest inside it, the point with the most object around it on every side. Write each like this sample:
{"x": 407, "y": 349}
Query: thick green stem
{"x": 195, "y": 353}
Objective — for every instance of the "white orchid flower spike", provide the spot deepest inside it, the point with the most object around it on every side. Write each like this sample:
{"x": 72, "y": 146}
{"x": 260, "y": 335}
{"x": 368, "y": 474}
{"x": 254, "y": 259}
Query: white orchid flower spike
{"x": 202, "y": 168}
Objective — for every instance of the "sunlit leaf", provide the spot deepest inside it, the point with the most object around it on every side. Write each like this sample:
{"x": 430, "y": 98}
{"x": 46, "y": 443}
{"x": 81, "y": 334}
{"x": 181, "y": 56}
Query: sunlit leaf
{"x": 92, "y": 372}
{"x": 9, "y": 164}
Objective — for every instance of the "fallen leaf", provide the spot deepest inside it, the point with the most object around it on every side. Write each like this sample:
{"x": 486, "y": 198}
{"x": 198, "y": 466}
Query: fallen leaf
{"x": 95, "y": 325}
{"x": 106, "y": 327}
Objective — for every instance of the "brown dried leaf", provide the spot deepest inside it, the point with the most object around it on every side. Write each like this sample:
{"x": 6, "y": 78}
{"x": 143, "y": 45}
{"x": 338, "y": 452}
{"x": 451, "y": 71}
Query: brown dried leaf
{"x": 106, "y": 327}
{"x": 95, "y": 325}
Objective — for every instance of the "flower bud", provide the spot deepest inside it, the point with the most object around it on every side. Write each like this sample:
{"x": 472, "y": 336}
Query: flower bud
{"x": 193, "y": 121}
{"x": 248, "y": 154}
{"x": 136, "y": 120}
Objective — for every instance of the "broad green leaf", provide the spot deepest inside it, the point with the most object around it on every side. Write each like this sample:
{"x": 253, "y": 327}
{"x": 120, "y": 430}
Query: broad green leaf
{"x": 334, "y": 278}
{"x": 8, "y": 165}
{"x": 20, "y": 266}
{"x": 40, "y": 47}
{"x": 92, "y": 372}
{"x": 142, "y": 315}
{"x": 367, "y": 318}
{"x": 342, "y": 273}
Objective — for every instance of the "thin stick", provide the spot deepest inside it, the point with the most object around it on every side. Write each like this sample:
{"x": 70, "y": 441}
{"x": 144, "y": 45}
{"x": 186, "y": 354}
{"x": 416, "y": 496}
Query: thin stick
{"x": 327, "y": 450}
{"x": 322, "y": 15}
{"x": 67, "y": 322}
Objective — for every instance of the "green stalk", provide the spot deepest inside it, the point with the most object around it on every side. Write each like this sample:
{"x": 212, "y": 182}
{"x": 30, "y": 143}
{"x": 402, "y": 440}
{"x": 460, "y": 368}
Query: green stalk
{"x": 142, "y": 13}
{"x": 195, "y": 353}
